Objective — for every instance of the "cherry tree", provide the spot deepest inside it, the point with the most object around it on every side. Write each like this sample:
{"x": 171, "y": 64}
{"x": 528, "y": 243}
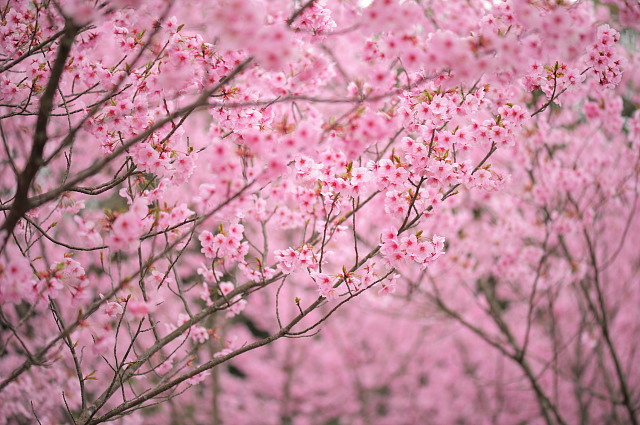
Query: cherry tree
{"x": 319, "y": 212}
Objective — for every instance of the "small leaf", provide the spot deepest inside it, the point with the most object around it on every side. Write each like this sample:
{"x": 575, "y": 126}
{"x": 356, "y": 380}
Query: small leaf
{"x": 90, "y": 376}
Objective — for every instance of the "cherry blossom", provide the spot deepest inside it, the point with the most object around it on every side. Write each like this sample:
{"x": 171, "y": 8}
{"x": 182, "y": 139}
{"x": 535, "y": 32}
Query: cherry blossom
{"x": 319, "y": 212}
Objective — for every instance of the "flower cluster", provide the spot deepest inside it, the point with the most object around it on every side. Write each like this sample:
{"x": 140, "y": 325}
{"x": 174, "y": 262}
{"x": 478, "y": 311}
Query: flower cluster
{"x": 127, "y": 227}
{"x": 604, "y": 59}
{"x": 398, "y": 251}
{"x": 290, "y": 260}
{"x": 226, "y": 244}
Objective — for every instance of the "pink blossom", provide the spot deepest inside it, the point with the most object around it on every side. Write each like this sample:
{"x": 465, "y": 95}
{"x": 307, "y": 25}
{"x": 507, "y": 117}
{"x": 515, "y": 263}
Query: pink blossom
{"x": 139, "y": 309}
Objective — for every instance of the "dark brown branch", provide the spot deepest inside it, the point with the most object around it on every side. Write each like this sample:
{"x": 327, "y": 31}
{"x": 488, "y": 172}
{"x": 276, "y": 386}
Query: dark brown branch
{"x": 21, "y": 202}
{"x": 299, "y": 12}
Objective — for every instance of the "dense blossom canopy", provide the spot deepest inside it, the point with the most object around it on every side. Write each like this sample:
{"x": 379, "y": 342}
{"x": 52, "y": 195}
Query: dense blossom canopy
{"x": 321, "y": 212}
